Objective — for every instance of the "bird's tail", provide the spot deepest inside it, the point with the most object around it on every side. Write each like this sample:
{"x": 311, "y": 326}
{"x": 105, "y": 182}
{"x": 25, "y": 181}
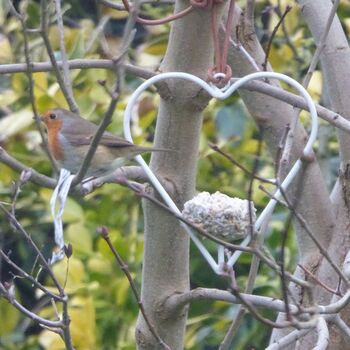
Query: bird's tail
{"x": 154, "y": 149}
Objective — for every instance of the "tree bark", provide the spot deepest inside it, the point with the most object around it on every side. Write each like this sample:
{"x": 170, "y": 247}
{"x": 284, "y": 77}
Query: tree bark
{"x": 166, "y": 253}
{"x": 335, "y": 62}
{"x": 313, "y": 203}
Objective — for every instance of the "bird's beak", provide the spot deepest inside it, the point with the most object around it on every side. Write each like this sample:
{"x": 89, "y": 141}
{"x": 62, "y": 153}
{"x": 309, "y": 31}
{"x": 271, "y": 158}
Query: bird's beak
{"x": 39, "y": 118}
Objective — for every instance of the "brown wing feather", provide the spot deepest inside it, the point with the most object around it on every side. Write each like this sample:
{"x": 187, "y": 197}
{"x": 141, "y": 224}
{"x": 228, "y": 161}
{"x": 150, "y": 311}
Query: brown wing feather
{"x": 107, "y": 139}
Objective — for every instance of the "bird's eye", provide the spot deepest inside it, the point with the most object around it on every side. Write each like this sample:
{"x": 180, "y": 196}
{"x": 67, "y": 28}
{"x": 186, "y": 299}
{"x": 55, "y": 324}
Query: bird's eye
{"x": 52, "y": 116}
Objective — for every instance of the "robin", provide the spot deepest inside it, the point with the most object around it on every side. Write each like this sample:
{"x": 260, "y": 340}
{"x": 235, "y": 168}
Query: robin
{"x": 69, "y": 138}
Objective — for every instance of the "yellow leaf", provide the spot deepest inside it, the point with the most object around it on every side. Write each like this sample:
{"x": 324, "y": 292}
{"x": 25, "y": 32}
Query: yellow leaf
{"x": 346, "y": 22}
{"x": 122, "y": 290}
{"x": 54, "y": 37}
{"x": 51, "y": 341}
{"x": 148, "y": 60}
{"x": 291, "y": 21}
{"x": 19, "y": 82}
{"x": 315, "y": 86}
{"x": 114, "y": 13}
{"x": 82, "y": 315}
{"x": 71, "y": 272}
{"x": 98, "y": 264}
{"x": 83, "y": 322}
{"x": 157, "y": 48}
{"x": 7, "y": 97}
{"x": 99, "y": 95}
{"x": 40, "y": 84}
{"x": 10, "y": 314}
{"x": 279, "y": 56}
{"x": 80, "y": 238}
{"x": 15, "y": 123}
{"x": 5, "y": 50}
{"x": 249, "y": 146}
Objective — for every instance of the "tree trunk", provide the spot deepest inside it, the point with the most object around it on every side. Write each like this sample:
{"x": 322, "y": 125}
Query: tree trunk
{"x": 166, "y": 253}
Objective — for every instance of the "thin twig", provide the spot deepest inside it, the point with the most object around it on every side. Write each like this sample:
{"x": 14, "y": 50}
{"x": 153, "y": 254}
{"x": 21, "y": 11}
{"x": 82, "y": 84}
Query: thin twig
{"x": 177, "y": 301}
{"x": 331, "y": 117}
{"x": 280, "y": 148}
{"x": 320, "y": 46}
{"x": 315, "y": 59}
{"x": 256, "y": 241}
{"x": 35, "y": 177}
{"x": 9, "y": 295}
{"x": 65, "y": 69}
{"x": 95, "y": 140}
{"x": 29, "y": 277}
{"x": 317, "y": 280}
{"x": 124, "y": 267}
{"x": 66, "y": 334}
{"x": 15, "y": 223}
{"x": 128, "y": 34}
{"x": 323, "y": 251}
{"x": 322, "y": 334}
{"x": 337, "y": 320}
{"x": 79, "y": 63}
{"x": 282, "y": 265}
{"x": 288, "y": 339}
{"x": 235, "y": 162}
{"x": 140, "y": 191}
{"x": 286, "y": 34}
{"x": 256, "y": 314}
{"x": 308, "y": 230}
{"x": 65, "y": 321}
{"x": 269, "y": 44}
{"x": 44, "y": 30}
{"x": 29, "y": 72}
{"x": 97, "y": 33}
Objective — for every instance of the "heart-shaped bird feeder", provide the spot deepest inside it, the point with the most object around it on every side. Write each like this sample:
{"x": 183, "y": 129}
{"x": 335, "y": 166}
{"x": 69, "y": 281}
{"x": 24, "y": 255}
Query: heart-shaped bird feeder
{"x": 223, "y": 93}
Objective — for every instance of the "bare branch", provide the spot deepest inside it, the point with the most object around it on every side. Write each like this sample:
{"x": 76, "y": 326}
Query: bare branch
{"x": 124, "y": 267}
{"x": 29, "y": 277}
{"x": 44, "y": 30}
{"x": 289, "y": 142}
{"x": 288, "y": 339}
{"x": 337, "y": 320}
{"x": 140, "y": 191}
{"x": 297, "y": 101}
{"x": 269, "y": 44}
{"x": 313, "y": 237}
{"x": 81, "y": 63}
{"x": 323, "y": 335}
{"x": 235, "y": 162}
{"x": 35, "y": 177}
{"x": 332, "y": 117}
{"x": 29, "y": 73}
{"x": 178, "y": 301}
{"x": 317, "y": 280}
{"x": 320, "y": 45}
{"x": 11, "y": 299}
{"x": 65, "y": 69}
{"x": 127, "y": 38}
{"x": 38, "y": 252}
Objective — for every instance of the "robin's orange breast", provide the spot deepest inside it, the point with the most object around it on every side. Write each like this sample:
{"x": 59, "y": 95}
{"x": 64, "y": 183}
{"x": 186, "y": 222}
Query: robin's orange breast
{"x": 54, "y": 141}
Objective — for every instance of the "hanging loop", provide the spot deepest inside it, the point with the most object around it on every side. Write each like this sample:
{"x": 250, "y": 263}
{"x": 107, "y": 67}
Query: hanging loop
{"x": 221, "y": 53}
{"x": 221, "y": 76}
